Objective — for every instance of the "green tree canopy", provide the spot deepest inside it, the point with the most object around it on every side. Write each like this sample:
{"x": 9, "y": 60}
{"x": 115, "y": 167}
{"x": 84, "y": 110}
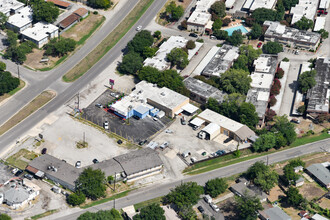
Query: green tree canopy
{"x": 272, "y": 47}
{"x": 215, "y": 187}
{"x": 217, "y": 24}
{"x": 112, "y": 214}
{"x": 235, "y": 81}
{"x": 221, "y": 34}
{"x": 4, "y": 216}
{"x": 248, "y": 206}
{"x": 140, "y": 41}
{"x": 248, "y": 115}
{"x": 294, "y": 197}
{"x": 190, "y": 44}
{"x": 44, "y": 11}
{"x": 257, "y": 167}
{"x": 289, "y": 174}
{"x": 324, "y": 34}
{"x": 151, "y": 212}
{"x": 219, "y": 9}
{"x": 306, "y": 81}
{"x": 186, "y": 194}
{"x": 261, "y": 15}
{"x": 265, "y": 142}
{"x": 304, "y": 24}
{"x": 266, "y": 180}
{"x": 12, "y": 38}
{"x": 75, "y": 199}
{"x": 104, "y": 4}
{"x": 178, "y": 57}
{"x": 3, "y": 66}
{"x": 174, "y": 12}
{"x": 92, "y": 183}
{"x": 3, "y": 20}
{"x": 132, "y": 62}
{"x": 256, "y": 31}
{"x": 60, "y": 46}
{"x": 236, "y": 38}
{"x": 247, "y": 56}
{"x": 287, "y": 129}
{"x": 288, "y": 4}
{"x": 157, "y": 34}
{"x": 149, "y": 52}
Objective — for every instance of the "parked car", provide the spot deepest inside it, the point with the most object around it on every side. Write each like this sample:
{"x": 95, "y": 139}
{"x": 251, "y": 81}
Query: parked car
{"x": 28, "y": 176}
{"x": 136, "y": 117}
{"x": 208, "y": 199}
{"x": 19, "y": 172}
{"x": 213, "y": 37}
{"x": 201, "y": 209}
{"x": 164, "y": 145}
{"x": 259, "y": 44}
{"x": 155, "y": 119}
{"x": 44, "y": 151}
{"x": 295, "y": 120}
{"x": 78, "y": 164}
{"x": 195, "y": 127}
{"x": 106, "y": 125}
{"x": 119, "y": 141}
{"x": 193, "y": 35}
{"x": 99, "y": 105}
{"x": 214, "y": 207}
{"x": 142, "y": 142}
{"x": 114, "y": 95}
{"x": 193, "y": 159}
{"x": 139, "y": 28}
{"x": 14, "y": 171}
{"x": 183, "y": 121}
{"x": 95, "y": 160}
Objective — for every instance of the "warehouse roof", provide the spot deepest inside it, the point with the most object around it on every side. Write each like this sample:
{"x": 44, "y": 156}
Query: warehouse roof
{"x": 66, "y": 22}
{"x": 16, "y": 195}
{"x": 109, "y": 167}
{"x": 7, "y": 5}
{"x": 321, "y": 172}
{"x": 319, "y": 23}
{"x": 197, "y": 121}
{"x": 211, "y": 128}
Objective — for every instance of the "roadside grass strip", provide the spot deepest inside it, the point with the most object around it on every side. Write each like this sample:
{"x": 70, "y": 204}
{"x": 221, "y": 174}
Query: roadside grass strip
{"x": 109, "y": 42}
{"x": 140, "y": 205}
{"x": 50, "y": 212}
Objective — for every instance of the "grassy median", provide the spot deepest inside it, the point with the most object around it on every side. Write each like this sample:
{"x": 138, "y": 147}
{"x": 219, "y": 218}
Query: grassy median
{"x": 27, "y": 110}
{"x": 110, "y": 41}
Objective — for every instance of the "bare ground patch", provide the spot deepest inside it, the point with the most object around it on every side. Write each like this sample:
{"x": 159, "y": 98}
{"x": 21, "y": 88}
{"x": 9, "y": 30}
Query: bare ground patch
{"x": 311, "y": 190}
{"x": 33, "y": 60}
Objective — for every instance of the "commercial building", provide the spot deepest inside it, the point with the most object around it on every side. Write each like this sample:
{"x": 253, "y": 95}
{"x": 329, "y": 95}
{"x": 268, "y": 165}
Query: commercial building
{"x": 201, "y": 91}
{"x": 147, "y": 99}
{"x": 319, "y": 23}
{"x": 324, "y": 4}
{"x": 305, "y": 8}
{"x": 21, "y": 20}
{"x": 291, "y": 36}
{"x": 160, "y": 62}
{"x": 218, "y": 124}
{"x": 10, "y": 7}
{"x": 275, "y": 213}
{"x": 321, "y": 173}
{"x": 40, "y": 33}
{"x": 262, "y": 78}
{"x": 60, "y": 4}
{"x": 131, "y": 166}
{"x": 318, "y": 96}
{"x": 217, "y": 61}
{"x": 251, "y": 5}
{"x": 200, "y": 17}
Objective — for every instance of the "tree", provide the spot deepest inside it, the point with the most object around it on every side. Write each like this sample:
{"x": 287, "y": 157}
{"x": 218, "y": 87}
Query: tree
{"x": 283, "y": 125}
{"x": 306, "y": 81}
{"x": 3, "y": 66}
{"x": 178, "y": 57}
{"x": 75, "y": 199}
{"x": 60, "y": 46}
{"x": 304, "y": 24}
{"x": 247, "y": 56}
{"x": 217, "y": 24}
{"x": 3, "y": 20}
{"x": 266, "y": 180}
{"x": 226, "y": 21}
{"x": 260, "y": 15}
{"x": 149, "y": 52}
{"x": 256, "y": 31}
{"x": 301, "y": 109}
{"x": 272, "y": 100}
{"x": 280, "y": 73}
{"x": 183, "y": 25}
{"x": 236, "y": 38}
{"x": 235, "y": 81}
{"x": 157, "y": 35}
{"x": 324, "y": 33}
{"x": 221, "y": 34}
{"x": 190, "y": 44}
{"x": 186, "y": 194}
{"x": 219, "y": 9}
{"x": 280, "y": 140}
{"x": 4, "y": 216}
{"x": 248, "y": 115}
{"x": 92, "y": 183}
{"x": 174, "y": 12}
{"x": 12, "y": 38}
{"x": 230, "y": 107}
{"x": 248, "y": 206}
{"x": 44, "y": 11}
{"x": 269, "y": 115}
{"x": 289, "y": 173}
{"x": 264, "y": 142}
{"x": 151, "y": 212}
{"x": 103, "y": 4}
{"x": 140, "y": 41}
{"x": 288, "y": 4}
{"x": 294, "y": 197}
{"x": 257, "y": 167}
{"x": 16, "y": 54}
{"x": 215, "y": 187}
{"x": 112, "y": 214}
{"x": 272, "y": 47}
{"x": 132, "y": 62}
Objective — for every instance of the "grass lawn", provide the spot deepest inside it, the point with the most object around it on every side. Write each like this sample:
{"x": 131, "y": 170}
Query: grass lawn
{"x": 309, "y": 139}
{"x": 27, "y": 110}
{"x": 44, "y": 214}
{"x": 110, "y": 41}
{"x": 7, "y": 95}
{"x": 16, "y": 159}
{"x": 140, "y": 205}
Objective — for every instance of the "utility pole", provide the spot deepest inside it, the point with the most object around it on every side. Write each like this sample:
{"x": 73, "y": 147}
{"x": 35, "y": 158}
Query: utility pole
{"x": 18, "y": 71}
{"x": 114, "y": 203}
{"x": 114, "y": 185}
{"x": 84, "y": 138}
{"x": 78, "y": 100}
{"x": 267, "y": 161}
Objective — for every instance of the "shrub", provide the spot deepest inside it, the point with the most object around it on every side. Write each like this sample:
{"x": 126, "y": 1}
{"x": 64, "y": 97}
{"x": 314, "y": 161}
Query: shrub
{"x": 75, "y": 199}
{"x": 200, "y": 40}
{"x": 95, "y": 12}
{"x": 279, "y": 73}
{"x": 285, "y": 59}
{"x": 270, "y": 115}
{"x": 226, "y": 21}
{"x": 184, "y": 25}
{"x": 190, "y": 45}
{"x": 272, "y": 100}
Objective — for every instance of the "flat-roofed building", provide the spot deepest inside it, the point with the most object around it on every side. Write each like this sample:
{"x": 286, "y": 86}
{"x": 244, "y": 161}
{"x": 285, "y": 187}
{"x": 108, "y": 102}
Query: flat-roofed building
{"x": 201, "y": 91}
{"x": 291, "y": 36}
{"x": 227, "y": 126}
{"x": 305, "y": 8}
{"x": 40, "y": 33}
{"x": 21, "y": 20}
{"x": 319, "y": 23}
{"x": 217, "y": 61}
{"x": 262, "y": 78}
{"x": 318, "y": 96}
{"x": 10, "y": 7}
{"x": 200, "y": 17}
{"x": 251, "y": 5}
{"x": 324, "y": 4}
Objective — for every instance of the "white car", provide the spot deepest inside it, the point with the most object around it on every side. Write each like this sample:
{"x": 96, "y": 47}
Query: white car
{"x": 106, "y": 125}
{"x": 215, "y": 207}
{"x": 78, "y": 164}
{"x": 14, "y": 171}
{"x": 139, "y": 28}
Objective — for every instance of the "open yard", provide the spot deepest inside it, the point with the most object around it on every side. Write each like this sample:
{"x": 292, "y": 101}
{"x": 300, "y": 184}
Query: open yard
{"x": 311, "y": 190}
{"x": 21, "y": 158}
{"x": 33, "y": 60}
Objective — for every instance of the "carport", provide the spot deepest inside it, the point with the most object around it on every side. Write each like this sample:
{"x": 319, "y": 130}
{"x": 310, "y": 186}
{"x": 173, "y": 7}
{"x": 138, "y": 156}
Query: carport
{"x": 212, "y": 130}
{"x": 189, "y": 108}
{"x": 197, "y": 122}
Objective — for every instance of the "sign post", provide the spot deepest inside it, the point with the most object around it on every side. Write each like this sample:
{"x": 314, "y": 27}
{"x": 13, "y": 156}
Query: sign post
{"x": 112, "y": 83}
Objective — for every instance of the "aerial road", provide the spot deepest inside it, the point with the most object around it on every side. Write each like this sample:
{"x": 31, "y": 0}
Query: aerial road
{"x": 40, "y": 81}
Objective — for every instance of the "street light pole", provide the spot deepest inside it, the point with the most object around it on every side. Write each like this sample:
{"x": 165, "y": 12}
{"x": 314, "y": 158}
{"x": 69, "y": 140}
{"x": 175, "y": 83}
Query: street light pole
{"x": 18, "y": 71}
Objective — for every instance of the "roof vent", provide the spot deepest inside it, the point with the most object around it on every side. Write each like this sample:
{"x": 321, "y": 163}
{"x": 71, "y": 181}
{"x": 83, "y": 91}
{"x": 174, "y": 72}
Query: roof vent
{"x": 260, "y": 83}
{"x": 162, "y": 93}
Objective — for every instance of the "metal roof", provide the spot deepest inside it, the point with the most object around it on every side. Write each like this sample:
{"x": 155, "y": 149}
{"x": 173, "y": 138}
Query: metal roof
{"x": 197, "y": 121}
{"x": 211, "y": 128}
{"x": 276, "y": 213}
{"x": 320, "y": 172}
{"x": 16, "y": 195}
{"x": 189, "y": 108}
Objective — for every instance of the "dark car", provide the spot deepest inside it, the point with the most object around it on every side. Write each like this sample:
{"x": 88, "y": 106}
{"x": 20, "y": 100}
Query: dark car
{"x": 95, "y": 161}
{"x": 142, "y": 142}
{"x": 99, "y": 105}
{"x": 28, "y": 176}
{"x": 44, "y": 151}
{"x": 19, "y": 172}
{"x": 193, "y": 35}
{"x": 201, "y": 209}
{"x": 119, "y": 142}
{"x": 136, "y": 117}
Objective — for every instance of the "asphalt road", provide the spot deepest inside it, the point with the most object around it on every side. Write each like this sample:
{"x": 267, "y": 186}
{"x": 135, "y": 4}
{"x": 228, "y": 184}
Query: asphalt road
{"x": 157, "y": 190}
{"x": 53, "y": 79}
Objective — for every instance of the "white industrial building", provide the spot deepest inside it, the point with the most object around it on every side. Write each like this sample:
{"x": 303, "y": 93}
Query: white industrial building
{"x": 251, "y": 5}
{"x": 40, "y": 33}
{"x": 160, "y": 62}
{"x": 21, "y": 20}
{"x": 10, "y": 7}
{"x": 305, "y": 8}
{"x": 200, "y": 17}
{"x": 217, "y": 61}
{"x": 319, "y": 23}
{"x": 324, "y": 4}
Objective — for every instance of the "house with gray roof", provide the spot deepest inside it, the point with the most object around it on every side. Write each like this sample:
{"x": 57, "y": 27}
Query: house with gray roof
{"x": 244, "y": 188}
{"x": 321, "y": 173}
{"x": 274, "y": 213}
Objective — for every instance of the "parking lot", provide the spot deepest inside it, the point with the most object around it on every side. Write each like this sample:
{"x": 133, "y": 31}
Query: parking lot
{"x": 133, "y": 130}
{"x": 209, "y": 211}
